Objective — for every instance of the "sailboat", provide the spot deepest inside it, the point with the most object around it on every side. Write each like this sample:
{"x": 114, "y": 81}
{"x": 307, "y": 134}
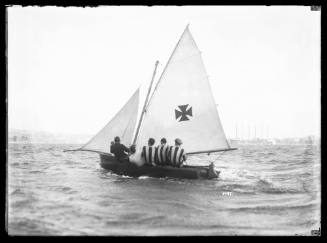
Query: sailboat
{"x": 181, "y": 106}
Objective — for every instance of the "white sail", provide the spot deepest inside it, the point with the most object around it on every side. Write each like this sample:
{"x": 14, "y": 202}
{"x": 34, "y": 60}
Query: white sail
{"x": 182, "y": 105}
{"x": 122, "y": 125}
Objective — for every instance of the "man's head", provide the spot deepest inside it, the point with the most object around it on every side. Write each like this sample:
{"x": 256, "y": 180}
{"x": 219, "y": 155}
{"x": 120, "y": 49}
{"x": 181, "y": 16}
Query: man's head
{"x": 117, "y": 139}
{"x": 133, "y": 148}
{"x": 151, "y": 141}
{"x": 178, "y": 141}
{"x": 163, "y": 141}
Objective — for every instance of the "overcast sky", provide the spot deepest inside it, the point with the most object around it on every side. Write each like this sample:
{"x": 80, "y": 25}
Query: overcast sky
{"x": 71, "y": 69}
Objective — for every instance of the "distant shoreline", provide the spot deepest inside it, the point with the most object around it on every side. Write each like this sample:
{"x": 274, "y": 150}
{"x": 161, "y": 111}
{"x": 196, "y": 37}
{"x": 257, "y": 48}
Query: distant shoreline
{"x": 240, "y": 145}
{"x": 44, "y": 143}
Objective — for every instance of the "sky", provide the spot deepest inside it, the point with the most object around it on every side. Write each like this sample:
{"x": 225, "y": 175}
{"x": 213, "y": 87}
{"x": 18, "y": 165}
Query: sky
{"x": 70, "y": 70}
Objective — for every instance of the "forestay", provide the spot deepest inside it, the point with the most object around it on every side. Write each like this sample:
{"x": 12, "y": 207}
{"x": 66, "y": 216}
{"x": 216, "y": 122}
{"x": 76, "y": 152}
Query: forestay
{"x": 182, "y": 105}
{"x": 122, "y": 125}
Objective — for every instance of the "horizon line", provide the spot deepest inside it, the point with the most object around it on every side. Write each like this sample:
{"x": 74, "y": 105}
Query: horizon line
{"x": 90, "y": 134}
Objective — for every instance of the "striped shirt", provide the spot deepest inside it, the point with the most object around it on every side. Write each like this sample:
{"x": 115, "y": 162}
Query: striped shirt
{"x": 176, "y": 156}
{"x": 148, "y": 153}
{"x": 162, "y": 154}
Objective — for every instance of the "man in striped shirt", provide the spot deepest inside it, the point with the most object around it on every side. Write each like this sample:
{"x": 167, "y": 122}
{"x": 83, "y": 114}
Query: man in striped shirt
{"x": 162, "y": 153}
{"x": 177, "y": 154}
{"x": 148, "y": 152}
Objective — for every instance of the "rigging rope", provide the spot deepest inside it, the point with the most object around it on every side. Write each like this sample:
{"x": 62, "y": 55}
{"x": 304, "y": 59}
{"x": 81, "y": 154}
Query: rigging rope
{"x": 218, "y": 156}
{"x": 185, "y": 163}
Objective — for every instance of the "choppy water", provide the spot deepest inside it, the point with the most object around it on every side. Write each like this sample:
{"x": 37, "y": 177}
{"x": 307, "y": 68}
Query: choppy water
{"x": 262, "y": 190}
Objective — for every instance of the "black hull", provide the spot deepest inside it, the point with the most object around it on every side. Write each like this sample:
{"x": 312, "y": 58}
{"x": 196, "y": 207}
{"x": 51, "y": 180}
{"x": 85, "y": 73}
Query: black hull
{"x": 129, "y": 169}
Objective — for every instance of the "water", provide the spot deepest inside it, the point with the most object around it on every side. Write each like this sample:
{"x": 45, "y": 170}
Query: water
{"x": 262, "y": 190}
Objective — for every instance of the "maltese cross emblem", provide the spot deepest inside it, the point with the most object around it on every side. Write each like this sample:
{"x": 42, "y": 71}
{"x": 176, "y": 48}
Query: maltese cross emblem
{"x": 183, "y": 113}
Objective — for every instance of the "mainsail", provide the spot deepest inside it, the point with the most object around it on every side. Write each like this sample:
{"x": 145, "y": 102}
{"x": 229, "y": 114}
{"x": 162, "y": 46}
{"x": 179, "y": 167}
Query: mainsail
{"x": 182, "y": 105}
{"x": 122, "y": 125}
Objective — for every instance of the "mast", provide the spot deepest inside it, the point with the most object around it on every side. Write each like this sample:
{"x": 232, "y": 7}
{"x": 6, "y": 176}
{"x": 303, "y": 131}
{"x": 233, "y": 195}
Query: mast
{"x": 145, "y": 103}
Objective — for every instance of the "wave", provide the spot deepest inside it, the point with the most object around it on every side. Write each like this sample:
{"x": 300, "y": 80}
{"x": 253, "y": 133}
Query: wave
{"x": 258, "y": 186}
{"x": 268, "y": 208}
{"x": 35, "y": 172}
{"x": 55, "y": 154}
{"x": 17, "y": 192}
{"x": 130, "y": 219}
{"x": 125, "y": 176}
{"x": 25, "y": 226}
{"x": 23, "y": 203}
{"x": 65, "y": 189}
{"x": 266, "y": 186}
{"x": 15, "y": 164}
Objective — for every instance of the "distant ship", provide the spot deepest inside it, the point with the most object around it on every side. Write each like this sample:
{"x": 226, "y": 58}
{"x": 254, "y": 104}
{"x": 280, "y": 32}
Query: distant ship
{"x": 181, "y": 106}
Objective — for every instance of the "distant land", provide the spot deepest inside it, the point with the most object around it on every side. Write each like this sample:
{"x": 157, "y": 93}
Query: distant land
{"x": 26, "y": 136}
{"x": 307, "y": 140}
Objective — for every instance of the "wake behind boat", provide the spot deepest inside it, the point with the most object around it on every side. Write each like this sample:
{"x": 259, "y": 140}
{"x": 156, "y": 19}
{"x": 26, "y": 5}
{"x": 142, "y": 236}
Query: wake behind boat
{"x": 181, "y": 106}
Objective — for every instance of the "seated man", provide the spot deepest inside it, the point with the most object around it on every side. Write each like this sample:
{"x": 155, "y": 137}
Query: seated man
{"x": 132, "y": 149}
{"x": 162, "y": 153}
{"x": 148, "y": 152}
{"x": 177, "y": 154}
{"x": 119, "y": 150}
{"x": 135, "y": 156}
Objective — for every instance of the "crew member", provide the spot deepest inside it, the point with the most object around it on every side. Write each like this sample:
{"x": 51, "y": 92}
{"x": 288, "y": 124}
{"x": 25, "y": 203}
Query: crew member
{"x": 177, "y": 154}
{"x": 162, "y": 152}
{"x": 119, "y": 150}
{"x": 149, "y": 152}
{"x": 135, "y": 156}
{"x": 132, "y": 149}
